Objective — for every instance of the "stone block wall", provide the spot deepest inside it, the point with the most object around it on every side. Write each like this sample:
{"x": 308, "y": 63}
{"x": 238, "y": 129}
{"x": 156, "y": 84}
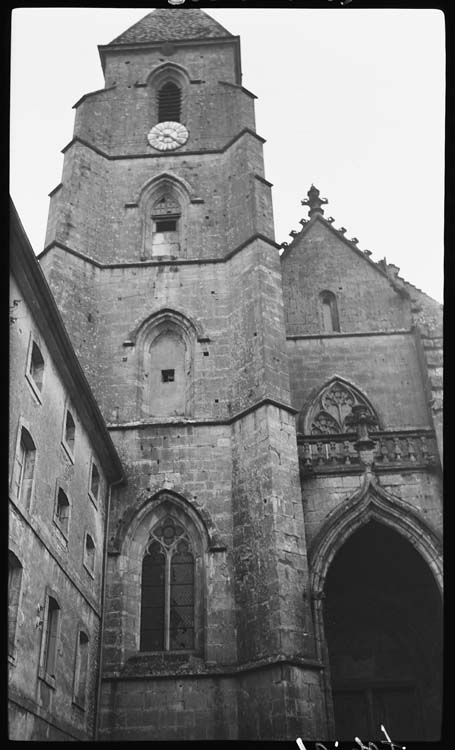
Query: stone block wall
{"x": 320, "y": 260}
{"x": 384, "y": 367}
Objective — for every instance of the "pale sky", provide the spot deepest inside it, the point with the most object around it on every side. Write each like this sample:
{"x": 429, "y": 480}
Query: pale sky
{"x": 349, "y": 100}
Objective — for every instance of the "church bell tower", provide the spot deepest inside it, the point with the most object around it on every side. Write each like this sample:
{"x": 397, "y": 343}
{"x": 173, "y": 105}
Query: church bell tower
{"x": 161, "y": 255}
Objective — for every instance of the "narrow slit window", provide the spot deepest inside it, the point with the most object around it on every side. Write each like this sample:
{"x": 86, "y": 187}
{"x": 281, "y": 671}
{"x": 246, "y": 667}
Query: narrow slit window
{"x": 36, "y": 368}
{"x": 167, "y": 376}
{"x": 169, "y": 102}
{"x": 70, "y": 431}
{"x": 62, "y": 512}
{"x": 50, "y": 637}
{"x": 330, "y": 312}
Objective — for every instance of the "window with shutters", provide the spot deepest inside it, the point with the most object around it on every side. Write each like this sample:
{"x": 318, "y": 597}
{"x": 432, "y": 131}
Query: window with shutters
{"x": 81, "y": 670}
{"x": 50, "y": 640}
{"x": 14, "y": 591}
{"x": 169, "y": 102}
{"x": 24, "y": 468}
{"x": 168, "y": 589}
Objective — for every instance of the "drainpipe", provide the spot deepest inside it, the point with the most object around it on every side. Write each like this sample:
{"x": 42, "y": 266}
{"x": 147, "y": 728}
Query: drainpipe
{"x": 103, "y": 602}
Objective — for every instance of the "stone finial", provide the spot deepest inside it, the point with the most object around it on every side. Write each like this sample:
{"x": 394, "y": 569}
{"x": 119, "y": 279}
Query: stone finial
{"x": 314, "y": 202}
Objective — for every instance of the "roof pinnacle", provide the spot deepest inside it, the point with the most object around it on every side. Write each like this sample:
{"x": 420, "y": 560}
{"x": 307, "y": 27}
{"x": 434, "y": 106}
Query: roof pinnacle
{"x": 314, "y": 202}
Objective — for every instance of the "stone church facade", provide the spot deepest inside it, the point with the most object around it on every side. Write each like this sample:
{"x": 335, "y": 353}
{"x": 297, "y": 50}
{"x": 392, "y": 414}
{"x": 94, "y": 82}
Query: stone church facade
{"x": 273, "y": 554}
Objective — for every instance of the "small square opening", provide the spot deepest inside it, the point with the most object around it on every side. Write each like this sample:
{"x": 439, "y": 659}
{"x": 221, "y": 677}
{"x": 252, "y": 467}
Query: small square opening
{"x": 166, "y": 225}
{"x": 167, "y": 376}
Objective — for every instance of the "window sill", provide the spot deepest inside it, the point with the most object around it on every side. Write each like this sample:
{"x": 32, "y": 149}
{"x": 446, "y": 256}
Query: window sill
{"x": 90, "y": 572}
{"x": 78, "y": 704}
{"x": 68, "y": 452}
{"x": 61, "y": 532}
{"x": 35, "y": 390}
{"x": 47, "y": 678}
{"x": 93, "y": 500}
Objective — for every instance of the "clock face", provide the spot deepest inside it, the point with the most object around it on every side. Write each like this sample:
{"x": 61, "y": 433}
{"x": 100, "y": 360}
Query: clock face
{"x": 166, "y": 136}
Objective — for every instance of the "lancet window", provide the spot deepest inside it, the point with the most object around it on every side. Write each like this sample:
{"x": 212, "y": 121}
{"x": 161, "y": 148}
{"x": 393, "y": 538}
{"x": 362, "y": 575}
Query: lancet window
{"x": 168, "y": 589}
{"x": 330, "y": 317}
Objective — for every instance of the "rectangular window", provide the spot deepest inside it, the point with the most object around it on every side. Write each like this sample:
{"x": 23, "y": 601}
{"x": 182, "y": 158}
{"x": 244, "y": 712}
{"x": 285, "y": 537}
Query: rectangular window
{"x": 89, "y": 554}
{"x": 24, "y": 467}
{"x": 94, "y": 483}
{"x": 81, "y": 670}
{"x": 50, "y": 637}
{"x": 14, "y": 590}
{"x": 166, "y": 225}
{"x": 62, "y": 512}
{"x": 70, "y": 432}
{"x": 36, "y": 366}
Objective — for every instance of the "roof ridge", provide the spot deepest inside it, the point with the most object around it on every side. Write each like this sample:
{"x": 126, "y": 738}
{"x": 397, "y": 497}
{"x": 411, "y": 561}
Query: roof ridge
{"x": 169, "y": 24}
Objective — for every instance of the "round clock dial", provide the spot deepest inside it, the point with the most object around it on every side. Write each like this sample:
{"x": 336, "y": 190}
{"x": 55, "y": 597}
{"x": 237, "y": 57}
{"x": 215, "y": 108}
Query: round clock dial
{"x": 166, "y": 136}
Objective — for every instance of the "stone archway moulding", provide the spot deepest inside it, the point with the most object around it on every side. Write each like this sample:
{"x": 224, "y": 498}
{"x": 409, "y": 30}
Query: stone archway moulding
{"x": 147, "y": 504}
{"x": 163, "y": 315}
{"x": 158, "y": 181}
{"x": 372, "y": 502}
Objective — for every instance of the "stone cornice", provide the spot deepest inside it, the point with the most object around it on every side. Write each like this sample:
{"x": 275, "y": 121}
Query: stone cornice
{"x": 195, "y": 668}
{"x": 154, "y": 155}
{"x": 177, "y": 262}
{"x": 347, "y": 334}
{"x": 203, "y": 422}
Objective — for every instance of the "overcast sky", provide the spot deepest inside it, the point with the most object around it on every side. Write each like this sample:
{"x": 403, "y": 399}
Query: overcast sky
{"x": 349, "y": 100}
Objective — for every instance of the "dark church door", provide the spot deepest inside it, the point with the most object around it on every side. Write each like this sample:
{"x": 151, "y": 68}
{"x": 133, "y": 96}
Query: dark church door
{"x": 383, "y": 624}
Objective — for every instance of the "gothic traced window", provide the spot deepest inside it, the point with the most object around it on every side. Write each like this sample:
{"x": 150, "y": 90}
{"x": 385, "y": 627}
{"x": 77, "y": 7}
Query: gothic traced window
{"x": 168, "y": 589}
{"x": 329, "y": 312}
{"x": 169, "y": 102}
{"x": 333, "y": 404}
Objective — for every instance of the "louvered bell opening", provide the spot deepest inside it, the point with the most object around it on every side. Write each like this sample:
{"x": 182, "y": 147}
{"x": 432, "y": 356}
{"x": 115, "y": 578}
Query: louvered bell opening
{"x": 169, "y": 102}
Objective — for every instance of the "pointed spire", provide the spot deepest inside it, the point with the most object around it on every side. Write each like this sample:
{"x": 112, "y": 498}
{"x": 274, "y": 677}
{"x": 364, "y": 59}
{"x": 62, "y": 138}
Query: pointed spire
{"x": 169, "y": 24}
{"x": 314, "y": 201}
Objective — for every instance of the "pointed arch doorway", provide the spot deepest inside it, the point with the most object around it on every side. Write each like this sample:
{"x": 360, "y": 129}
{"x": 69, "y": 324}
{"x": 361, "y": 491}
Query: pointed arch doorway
{"x": 383, "y": 626}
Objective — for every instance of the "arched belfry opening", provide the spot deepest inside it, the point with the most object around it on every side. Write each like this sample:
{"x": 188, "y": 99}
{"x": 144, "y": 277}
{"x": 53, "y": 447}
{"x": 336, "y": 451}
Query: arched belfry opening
{"x": 383, "y": 627}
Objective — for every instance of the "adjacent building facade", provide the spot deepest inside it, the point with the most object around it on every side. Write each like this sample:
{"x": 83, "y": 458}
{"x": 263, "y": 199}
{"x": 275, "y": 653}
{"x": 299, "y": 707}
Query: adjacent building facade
{"x": 62, "y": 465}
{"x": 274, "y": 558}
